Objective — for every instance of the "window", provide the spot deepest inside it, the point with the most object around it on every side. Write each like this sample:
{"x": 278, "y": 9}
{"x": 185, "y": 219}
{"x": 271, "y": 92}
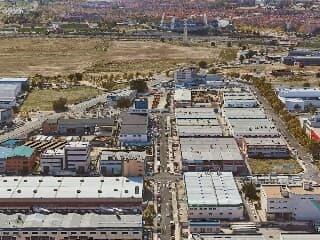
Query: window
{"x": 135, "y": 232}
{"x": 125, "y": 233}
{"x": 114, "y": 233}
{"x": 93, "y": 233}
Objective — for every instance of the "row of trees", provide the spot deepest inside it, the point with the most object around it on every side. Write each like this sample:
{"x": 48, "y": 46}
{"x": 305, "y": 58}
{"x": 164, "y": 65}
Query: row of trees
{"x": 293, "y": 124}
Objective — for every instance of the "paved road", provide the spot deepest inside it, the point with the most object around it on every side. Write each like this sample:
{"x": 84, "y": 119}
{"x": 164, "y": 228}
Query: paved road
{"x": 311, "y": 172}
{"x": 29, "y": 127}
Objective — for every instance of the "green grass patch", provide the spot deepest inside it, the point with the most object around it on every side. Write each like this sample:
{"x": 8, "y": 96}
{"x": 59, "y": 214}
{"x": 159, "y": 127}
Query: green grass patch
{"x": 278, "y": 166}
{"x": 41, "y": 100}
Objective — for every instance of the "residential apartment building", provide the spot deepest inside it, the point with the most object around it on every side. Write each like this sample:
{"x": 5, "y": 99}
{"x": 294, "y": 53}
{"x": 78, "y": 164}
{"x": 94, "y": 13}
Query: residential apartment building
{"x": 58, "y": 226}
{"x": 52, "y": 161}
{"x": 212, "y": 195}
{"x": 121, "y": 163}
{"x": 265, "y": 147}
{"x": 300, "y": 202}
{"x": 77, "y": 156}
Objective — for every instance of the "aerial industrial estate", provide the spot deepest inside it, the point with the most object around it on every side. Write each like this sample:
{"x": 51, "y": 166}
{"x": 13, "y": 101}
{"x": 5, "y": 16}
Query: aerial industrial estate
{"x": 159, "y": 120}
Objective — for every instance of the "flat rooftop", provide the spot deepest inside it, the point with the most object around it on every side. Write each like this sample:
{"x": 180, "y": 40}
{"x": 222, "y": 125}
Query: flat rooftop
{"x": 253, "y": 127}
{"x": 274, "y": 191}
{"x": 68, "y": 222}
{"x": 299, "y": 236}
{"x": 228, "y": 237}
{"x": 182, "y": 95}
{"x": 195, "y": 113}
{"x": 211, "y": 189}
{"x": 119, "y": 155}
{"x": 276, "y": 141}
{"x": 197, "y": 122}
{"x": 244, "y": 113}
{"x": 70, "y": 187}
{"x": 210, "y": 149}
{"x": 199, "y": 131}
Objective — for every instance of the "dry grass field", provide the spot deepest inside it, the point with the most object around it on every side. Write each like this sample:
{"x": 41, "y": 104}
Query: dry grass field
{"x": 53, "y": 56}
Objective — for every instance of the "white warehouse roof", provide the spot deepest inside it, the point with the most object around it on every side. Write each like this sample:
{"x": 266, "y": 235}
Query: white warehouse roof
{"x": 212, "y": 189}
{"x": 70, "y": 187}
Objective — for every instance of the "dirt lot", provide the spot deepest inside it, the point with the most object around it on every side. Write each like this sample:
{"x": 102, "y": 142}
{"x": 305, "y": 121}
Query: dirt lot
{"x": 53, "y": 56}
{"x": 279, "y": 166}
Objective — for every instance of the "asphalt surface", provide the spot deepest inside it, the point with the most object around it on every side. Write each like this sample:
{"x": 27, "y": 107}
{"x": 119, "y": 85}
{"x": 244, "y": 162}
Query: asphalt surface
{"x": 311, "y": 172}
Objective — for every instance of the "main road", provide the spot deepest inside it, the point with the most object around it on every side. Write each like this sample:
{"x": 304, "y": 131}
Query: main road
{"x": 311, "y": 172}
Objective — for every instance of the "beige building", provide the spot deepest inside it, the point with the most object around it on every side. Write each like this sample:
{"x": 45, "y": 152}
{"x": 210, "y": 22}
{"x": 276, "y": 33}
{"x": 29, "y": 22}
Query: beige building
{"x": 122, "y": 163}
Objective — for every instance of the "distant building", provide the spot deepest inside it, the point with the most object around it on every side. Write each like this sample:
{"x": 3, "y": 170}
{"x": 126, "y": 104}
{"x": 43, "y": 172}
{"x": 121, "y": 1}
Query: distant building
{"x": 141, "y": 103}
{"x": 5, "y": 116}
{"x": 21, "y": 160}
{"x": 120, "y": 163}
{"x": 113, "y": 97}
{"x": 291, "y": 202}
{"x": 52, "y": 161}
{"x": 77, "y": 156}
{"x": 212, "y": 195}
{"x": 59, "y": 226}
{"x": 184, "y": 76}
{"x": 239, "y": 100}
{"x": 312, "y": 127}
{"x": 265, "y": 147}
{"x": 21, "y": 83}
{"x": 299, "y": 99}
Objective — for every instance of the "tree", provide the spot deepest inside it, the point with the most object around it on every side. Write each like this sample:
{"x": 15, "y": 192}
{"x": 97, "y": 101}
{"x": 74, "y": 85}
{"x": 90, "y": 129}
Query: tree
{"x": 213, "y": 71}
{"x": 203, "y": 64}
{"x": 59, "y": 105}
{"x": 140, "y": 85}
{"x": 318, "y": 74}
{"x": 241, "y": 58}
{"x": 250, "y": 191}
{"x": 149, "y": 214}
{"x": 213, "y": 44}
{"x": 124, "y": 102}
{"x": 229, "y": 44}
{"x": 306, "y": 85}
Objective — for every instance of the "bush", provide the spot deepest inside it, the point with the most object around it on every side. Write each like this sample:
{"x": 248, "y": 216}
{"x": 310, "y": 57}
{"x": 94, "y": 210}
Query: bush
{"x": 59, "y": 105}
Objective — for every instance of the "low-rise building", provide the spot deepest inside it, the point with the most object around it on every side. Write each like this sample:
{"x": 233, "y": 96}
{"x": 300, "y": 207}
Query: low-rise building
{"x": 211, "y": 154}
{"x": 58, "y": 226}
{"x": 299, "y": 236}
{"x": 121, "y": 163}
{"x": 70, "y": 193}
{"x": 5, "y": 116}
{"x": 265, "y": 147}
{"x": 300, "y": 202}
{"x": 4, "y": 153}
{"x": 134, "y": 130}
{"x": 115, "y": 96}
{"x": 21, "y": 160}
{"x": 243, "y": 113}
{"x": 77, "y": 156}
{"x": 52, "y": 161}
{"x": 239, "y": 100}
{"x": 299, "y": 99}
{"x": 21, "y": 83}
{"x": 228, "y": 237}
{"x": 252, "y": 128}
{"x": 212, "y": 195}
{"x": 182, "y": 98}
